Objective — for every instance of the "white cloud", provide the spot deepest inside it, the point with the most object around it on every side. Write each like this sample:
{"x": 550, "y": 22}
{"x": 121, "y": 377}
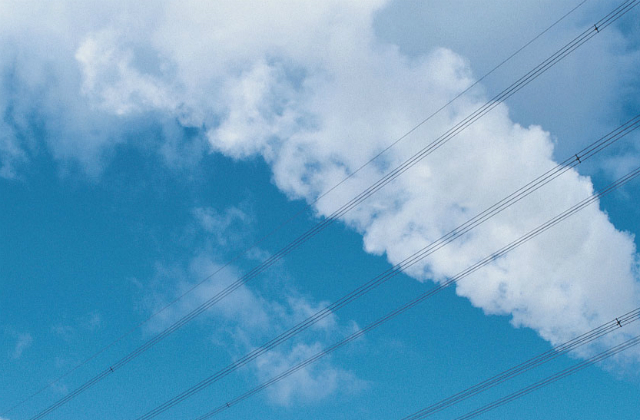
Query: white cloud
{"x": 312, "y": 383}
{"x": 245, "y": 320}
{"x": 316, "y": 113}
{"x": 64, "y": 331}
{"x": 47, "y": 105}
{"x": 11, "y": 154}
{"x": 618, "y": 166}
{"x": 317, "y": 96}
{"x": 596, "y": 82}
{"x": 111, "y": 80}
{"x": 23, "y": 342}
{"x": 228, "y": 228}
{"x": 248, "y": 318}
{"x": 92, "y": 321}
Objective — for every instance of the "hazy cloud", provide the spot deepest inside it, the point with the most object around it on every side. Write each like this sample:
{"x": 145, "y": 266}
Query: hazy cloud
{"x": 227, "y": 228}
{"x": 313, "y": 383}
{"x": 23, "y": 342}
{"x": 246, "y": 319}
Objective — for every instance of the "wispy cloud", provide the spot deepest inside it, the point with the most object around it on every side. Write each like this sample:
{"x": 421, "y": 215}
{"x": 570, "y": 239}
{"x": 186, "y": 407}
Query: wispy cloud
{"x": 90, "y": 322}
{"x": 246, "y": 318}
{"x": 228, "y": 228}
{"x": 311, "y": 384}
{"x": 23, "y": 342}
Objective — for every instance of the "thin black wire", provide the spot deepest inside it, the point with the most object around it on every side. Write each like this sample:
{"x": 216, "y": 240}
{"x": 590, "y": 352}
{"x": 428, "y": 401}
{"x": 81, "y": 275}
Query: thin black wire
{"x": 523, "y": 367}
{"x": 553, "y": 378}
{"x": 293, "y": 217}
{"x": 569, "y": 163}
{"x": 498, "y": 254}
{"x": 532, "y": 75}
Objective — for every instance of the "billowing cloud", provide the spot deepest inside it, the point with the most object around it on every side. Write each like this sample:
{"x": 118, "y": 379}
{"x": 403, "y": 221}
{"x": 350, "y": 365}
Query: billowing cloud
{"x": 319, "y": 95}
{"x": 316, "y": 114}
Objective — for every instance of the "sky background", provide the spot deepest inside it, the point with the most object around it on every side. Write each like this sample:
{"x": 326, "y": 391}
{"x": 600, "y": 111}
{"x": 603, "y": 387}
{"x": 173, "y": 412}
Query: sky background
{"x": 142, "y": 148}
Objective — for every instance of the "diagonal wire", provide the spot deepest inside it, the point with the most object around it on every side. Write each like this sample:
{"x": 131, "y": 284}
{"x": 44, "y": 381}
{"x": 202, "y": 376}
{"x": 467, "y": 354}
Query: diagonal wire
{"x": 388, "y": 274}
{"x": 523, "y": 367}
{"x": 532, "y": 75}
{"x": 293, "y": 217}
{"x": 453, "y": 280}
{"x": 553, "y": 378}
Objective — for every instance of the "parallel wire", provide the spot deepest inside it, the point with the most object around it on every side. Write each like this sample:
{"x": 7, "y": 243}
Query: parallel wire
{"x": 498, "y": 254}
{"x": 525, "y": 80}
{"x": 553, "y": 378}
{"x": 293, "y": 217}
{"x": 523, "y": 367}
{"x": 480, "y": 218}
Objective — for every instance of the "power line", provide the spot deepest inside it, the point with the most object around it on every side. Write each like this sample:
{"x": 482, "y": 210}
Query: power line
{"x": 294, "y": 216}
{"x": 503, "y": 251}
{"x": 515, "y": 87}
{"x": 523, "y": 367}
{"x": 569, "y": 163}
{"x": 553, "y": 378}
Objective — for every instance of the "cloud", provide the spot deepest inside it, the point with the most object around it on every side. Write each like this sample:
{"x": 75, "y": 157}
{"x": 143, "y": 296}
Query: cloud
{"x": 317, "y": 114}
{"x": 228, "y": 228}
{"x": 316, "y": 97}
{"x": 249, "y": 317}
{"x": 111, "y": 80}
{"x": 599, "y": 80}
{"x": 11, "y": 154}
{"x": 245, "y": 320}
{"x": 311, "y": 384}
{"x": 23, "y": 342}
{"x": 64, "y": 331}
{"x": 52, "y": 101}
{"x": 92, "y": 321}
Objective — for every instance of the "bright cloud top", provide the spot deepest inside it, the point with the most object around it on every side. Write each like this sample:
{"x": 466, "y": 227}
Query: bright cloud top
{"x": 317, "y": 96}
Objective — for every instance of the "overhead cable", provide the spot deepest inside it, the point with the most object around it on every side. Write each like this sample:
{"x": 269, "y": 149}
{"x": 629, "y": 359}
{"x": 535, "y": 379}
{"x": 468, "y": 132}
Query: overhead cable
{"x": 584, "y": 154}
{"x": 515, "y": 87}
{"x": 453, "y": 280}
{"x": 290, "y": 219}
{"x": 523, "y": 367}
{"x": 632, "y": 342}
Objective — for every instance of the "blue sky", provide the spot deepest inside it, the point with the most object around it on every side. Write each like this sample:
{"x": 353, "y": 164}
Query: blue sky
{"x": 143, "y": 148}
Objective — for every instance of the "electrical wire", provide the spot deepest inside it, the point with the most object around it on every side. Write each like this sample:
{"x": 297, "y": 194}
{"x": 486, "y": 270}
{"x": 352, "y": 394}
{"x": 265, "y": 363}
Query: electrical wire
{"x": 569, "y": 163}
{"x": 453, "y": 280}
{"x": 523, "y": 367}
{"x": 515, "y": 87}
{"x": 293, "y": 217}
{"x": 553, "y": 378}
